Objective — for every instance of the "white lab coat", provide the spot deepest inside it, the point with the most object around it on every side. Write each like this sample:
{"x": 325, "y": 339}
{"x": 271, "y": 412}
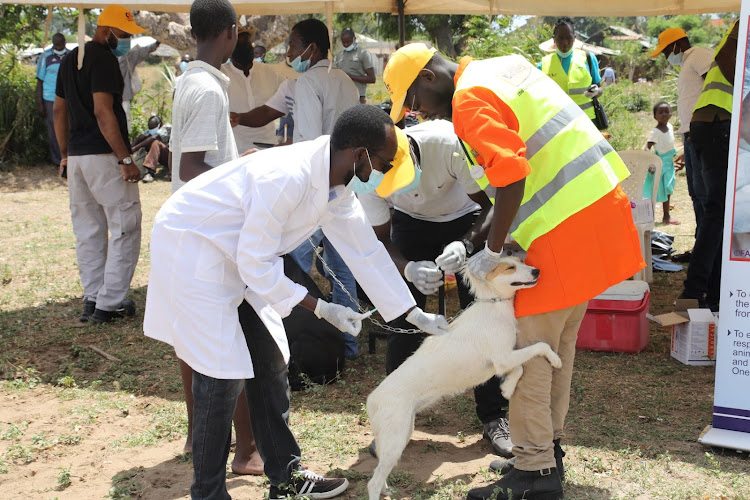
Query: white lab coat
{"x": 220, "y": 237}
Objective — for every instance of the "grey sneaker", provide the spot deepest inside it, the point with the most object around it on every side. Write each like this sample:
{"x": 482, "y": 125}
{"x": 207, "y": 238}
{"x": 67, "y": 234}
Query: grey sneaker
{"x": 497, "y": 433}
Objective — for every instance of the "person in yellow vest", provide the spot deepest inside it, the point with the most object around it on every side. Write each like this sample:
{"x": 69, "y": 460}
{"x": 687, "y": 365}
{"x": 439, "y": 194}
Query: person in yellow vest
{"x": 558, "y": 196}
{"x": 709, "y": 131}
{"x": 574, "y": 70}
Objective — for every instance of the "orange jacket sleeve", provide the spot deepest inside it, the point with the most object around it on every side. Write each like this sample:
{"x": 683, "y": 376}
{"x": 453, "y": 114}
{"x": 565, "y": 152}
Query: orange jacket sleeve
{"x": 490, "y": 127}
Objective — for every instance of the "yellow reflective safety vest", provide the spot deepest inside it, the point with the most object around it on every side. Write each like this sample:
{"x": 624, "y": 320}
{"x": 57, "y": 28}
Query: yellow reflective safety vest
{"x": 572, "y": 164}
{"x": 576, "y": 81}
{"x": 717, "y": 90}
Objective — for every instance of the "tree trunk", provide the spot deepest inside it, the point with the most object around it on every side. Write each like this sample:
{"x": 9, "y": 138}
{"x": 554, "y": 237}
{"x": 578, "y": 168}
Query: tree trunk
{"x": 442, "y": 34}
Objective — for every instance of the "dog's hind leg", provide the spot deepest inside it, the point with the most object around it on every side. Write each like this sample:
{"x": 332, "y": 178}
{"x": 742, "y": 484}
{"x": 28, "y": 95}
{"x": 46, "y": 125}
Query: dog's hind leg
{"x": 392, "y": 434}
{"x": 508, "y": 387}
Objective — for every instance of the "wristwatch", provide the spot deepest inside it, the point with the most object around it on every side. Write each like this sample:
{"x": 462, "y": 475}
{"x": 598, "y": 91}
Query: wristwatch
{"x": 126, "y": 161}
{"x": 469, "y": 246}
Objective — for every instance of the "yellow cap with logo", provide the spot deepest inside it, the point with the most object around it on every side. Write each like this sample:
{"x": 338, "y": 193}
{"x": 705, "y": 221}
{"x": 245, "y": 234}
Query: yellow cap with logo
{"x": 402, "y": 69}
{"x": 117, "y": 16}
{"x": 666, "y": 37}
{"x": 402, "y": 172}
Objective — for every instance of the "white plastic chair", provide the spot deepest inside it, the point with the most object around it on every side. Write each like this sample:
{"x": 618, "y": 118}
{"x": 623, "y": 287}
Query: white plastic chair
{"x": 638, "y": 163}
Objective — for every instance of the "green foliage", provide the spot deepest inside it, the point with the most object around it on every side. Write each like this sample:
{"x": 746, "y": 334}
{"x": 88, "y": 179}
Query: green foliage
{"x": 23, "y": 25}
{"x": 23, "y": 134}
{"x": 622, "y": 102}
{"x": 492, "y": 39}
{"x": 157, "y": 100}
{"x": 63, "y": 478}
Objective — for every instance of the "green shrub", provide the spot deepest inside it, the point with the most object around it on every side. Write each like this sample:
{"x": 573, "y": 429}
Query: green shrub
{"x": 23, "y": 134}
{"x": 628, "y": 96}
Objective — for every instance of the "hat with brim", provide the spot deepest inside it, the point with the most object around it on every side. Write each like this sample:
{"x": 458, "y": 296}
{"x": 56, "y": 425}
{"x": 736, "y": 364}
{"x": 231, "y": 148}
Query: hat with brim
{"x": 402, "y": 172}
{"x": 402, "y": 69}
{"x": 117, "y": 16}
{"x": 669, "y": 35}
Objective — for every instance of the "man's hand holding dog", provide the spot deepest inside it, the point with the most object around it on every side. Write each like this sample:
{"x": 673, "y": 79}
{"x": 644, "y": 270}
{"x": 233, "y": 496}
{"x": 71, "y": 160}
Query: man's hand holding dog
{"x": 453, "y": 257}
{"x": 425, "y": 275}
{"x": 434, "y": 324}
{"x": 484, "y": 261}
{"x": 339, "y": 316}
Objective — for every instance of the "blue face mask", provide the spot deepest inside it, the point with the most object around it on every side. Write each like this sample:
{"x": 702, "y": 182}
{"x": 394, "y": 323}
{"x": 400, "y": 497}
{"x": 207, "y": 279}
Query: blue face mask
{"x": 350, "y": 47}
{"x": 123, "y": 47}
{"x": 258, "y": 59}
{"x": 59, "y": 52}
{"x": 563, "y": 55}
{"x": 372, "y": 183}
{"x": 413, "y": 184}
{"x": 183, "y": 66}
{"x": 299, "y": 65}
{"x": 153, "y": 131}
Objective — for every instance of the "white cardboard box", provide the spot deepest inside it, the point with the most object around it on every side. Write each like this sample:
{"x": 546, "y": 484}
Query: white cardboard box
{"x": 693, "y": 333}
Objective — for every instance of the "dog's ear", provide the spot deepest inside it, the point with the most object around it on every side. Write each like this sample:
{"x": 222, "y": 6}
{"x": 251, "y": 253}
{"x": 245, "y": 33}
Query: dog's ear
{"x": 501, "y": 268}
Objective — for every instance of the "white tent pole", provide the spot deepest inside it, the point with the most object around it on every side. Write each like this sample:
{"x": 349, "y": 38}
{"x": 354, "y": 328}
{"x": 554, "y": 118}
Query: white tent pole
{"x": 47, "y": 25}
{"x": 81, "y": 35}
{"x": 329, "y": 24}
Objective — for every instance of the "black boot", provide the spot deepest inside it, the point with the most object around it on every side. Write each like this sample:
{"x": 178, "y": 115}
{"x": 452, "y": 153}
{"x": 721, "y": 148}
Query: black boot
{"x": 517, "y": 484}
{"x": 505, "y": 466}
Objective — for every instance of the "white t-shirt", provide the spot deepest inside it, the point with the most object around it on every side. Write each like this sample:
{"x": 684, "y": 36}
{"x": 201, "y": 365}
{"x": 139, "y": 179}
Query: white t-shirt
{"x": 200, "y": 118}
{"x": 320, "y": 98}
{"x": 663, "y": 141}
{"x": 249, "y": 92}
{"x": 446, "y": 180}
{"x": 695, "y": 64}
{"x": 283, "y": 100}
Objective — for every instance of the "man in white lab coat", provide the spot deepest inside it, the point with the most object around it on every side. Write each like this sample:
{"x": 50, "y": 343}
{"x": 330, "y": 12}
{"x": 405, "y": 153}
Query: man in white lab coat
{"x": 217, "y": 245}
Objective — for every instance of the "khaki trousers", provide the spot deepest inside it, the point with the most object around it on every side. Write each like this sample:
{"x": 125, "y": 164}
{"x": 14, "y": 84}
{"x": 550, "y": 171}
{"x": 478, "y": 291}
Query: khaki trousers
{"x": 101, "y": 202}
{"x": 540, "y": 403}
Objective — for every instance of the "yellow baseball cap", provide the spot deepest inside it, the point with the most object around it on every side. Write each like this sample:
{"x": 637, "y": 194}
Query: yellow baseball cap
{"x": 402, "y": 69}
{"x": 666, "y": 37}
{"x": 117, "y": 16}
{"x": 402, "y": 172}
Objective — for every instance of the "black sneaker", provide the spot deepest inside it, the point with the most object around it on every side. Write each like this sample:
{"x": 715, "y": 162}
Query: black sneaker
{"x": 497, "y": 433}
{"x": 307, "y": 484}
{"x": 126, "y": 308}
{"x": 504, "y": 466}
{"x": 88, "y": 310}
{"x": 542, "y": 484}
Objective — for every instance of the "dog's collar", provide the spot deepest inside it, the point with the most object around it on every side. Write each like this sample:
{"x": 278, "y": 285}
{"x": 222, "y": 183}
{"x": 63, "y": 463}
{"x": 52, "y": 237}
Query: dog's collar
{"x": 493, "y": 299}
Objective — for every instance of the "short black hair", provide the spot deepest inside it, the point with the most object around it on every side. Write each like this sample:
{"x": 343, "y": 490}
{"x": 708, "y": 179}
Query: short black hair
{"x": 660, "y": 104}
{"x": 360, "y": 126}
{"x": 261, "y": 48}
{"x": 348, "y": 31}
{"x": 58, "y": 37}
{"x": 314, "y": 31}
{"x": 564, "y": 21}
{"x": 210, "y": 18}
{"x": 154, "y": 117}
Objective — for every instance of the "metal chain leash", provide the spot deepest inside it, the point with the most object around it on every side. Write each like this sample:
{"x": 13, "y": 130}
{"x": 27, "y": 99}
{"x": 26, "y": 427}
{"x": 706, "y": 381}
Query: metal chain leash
{"x": 386, "y": 327}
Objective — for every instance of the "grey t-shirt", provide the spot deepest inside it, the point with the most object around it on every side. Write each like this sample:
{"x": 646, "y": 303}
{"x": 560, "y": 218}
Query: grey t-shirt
{"x": 355, "y": 62}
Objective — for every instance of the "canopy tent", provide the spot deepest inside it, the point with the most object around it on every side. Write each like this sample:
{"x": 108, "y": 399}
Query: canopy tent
{"x": 480, "y": 7}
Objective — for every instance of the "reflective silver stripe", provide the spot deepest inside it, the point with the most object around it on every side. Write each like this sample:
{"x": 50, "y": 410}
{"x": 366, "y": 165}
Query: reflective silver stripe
{"x": 587, "y": 105}
{"x": 729, "y": 89}
{"x": 577, "y": 91}
{"x": 570, "y": 171}
{"x": 553, "y": 127}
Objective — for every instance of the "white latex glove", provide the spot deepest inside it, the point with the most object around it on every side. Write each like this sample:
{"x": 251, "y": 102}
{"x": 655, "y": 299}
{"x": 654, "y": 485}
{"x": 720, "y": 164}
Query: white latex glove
{"x": 592, "y": 91}
{"x": 339, "y": 316}
{"x": 434, "y": 324}
{"x": 452, "y": 258}
{"x": 425, "y": 275}
{"x": 484, "y": 261}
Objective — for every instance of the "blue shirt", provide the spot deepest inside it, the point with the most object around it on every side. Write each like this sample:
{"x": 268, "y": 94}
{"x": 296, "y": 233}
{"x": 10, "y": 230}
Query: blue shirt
{"x": 594, "y": 65}
{"x": 46, "y": 71}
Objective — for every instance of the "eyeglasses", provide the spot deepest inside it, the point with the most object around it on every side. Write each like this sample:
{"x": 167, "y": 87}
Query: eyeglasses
{"x": 387, "y": 163}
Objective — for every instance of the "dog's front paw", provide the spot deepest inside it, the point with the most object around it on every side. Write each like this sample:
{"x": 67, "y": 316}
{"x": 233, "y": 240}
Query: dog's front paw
{"x": 507, "y": 392}
{"x": 554, "y": 360}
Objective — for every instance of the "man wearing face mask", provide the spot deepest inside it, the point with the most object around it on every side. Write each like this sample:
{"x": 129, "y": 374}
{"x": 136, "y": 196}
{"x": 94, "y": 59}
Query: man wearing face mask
{"x": 250, "y": 84}
{"x": 259, "y": 53}
{"x": 155, "y": 142}
{"x": 129, "y": 58}
{"x": 356, "y": 62}
{"x": 46, "y": 80}
{"x": 435, "y": 217}
{"x": 183, "y": 64}
{"x": 694, "y": 63}
{"x": 93, "y": 136}
{"x": 574, "y": 70}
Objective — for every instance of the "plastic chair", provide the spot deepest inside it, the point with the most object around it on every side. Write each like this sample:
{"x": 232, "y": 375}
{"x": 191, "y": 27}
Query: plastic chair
{"x": 638, "y": 163}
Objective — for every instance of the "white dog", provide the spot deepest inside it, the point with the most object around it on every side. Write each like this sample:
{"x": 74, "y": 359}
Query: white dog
{"x": 480, "y": 344}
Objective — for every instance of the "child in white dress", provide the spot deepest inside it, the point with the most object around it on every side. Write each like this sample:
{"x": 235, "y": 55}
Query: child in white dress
{"x": 662, "y": 139}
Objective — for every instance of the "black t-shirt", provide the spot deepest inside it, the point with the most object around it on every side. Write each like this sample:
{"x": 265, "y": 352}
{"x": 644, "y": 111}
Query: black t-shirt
{"x": 100, "y": 73}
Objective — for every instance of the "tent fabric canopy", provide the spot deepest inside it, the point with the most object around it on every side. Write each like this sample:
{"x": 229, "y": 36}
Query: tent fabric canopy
{"x": 480, "y": 7}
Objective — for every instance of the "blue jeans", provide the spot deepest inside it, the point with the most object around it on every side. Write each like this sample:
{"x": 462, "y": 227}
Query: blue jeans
{"x": 696, "y": 187}
{"x": 268, "y": 399}
{"x": 303, "y": 256}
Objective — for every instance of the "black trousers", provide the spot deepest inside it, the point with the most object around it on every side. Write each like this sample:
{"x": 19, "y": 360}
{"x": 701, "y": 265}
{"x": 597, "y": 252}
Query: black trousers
{"x": 421, "y": 240}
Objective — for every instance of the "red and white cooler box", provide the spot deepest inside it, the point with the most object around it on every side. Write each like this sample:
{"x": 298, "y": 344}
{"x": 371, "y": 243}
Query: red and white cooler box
{"x": 616, "y": 320}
